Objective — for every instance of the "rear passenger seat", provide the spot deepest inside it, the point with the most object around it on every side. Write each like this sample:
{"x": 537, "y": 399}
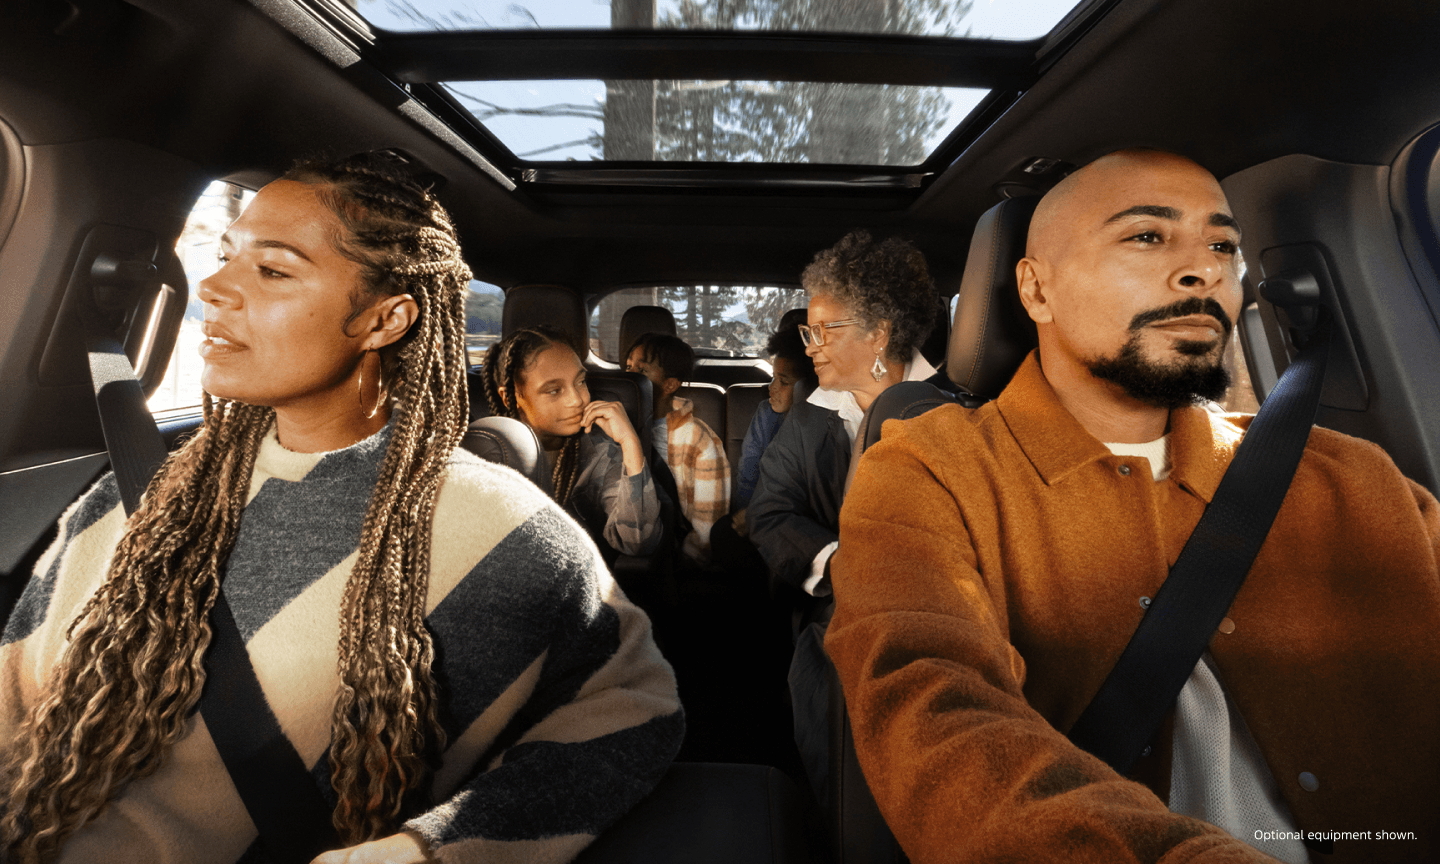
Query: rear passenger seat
{"x": 741, "y": 402}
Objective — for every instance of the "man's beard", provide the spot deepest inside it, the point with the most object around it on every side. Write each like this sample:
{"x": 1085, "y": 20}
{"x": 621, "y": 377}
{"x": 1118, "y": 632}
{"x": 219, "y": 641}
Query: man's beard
{"x": 1186, "y": 381}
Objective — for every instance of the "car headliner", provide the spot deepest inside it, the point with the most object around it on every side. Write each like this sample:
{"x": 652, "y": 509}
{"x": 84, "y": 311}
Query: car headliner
{"x": 1231, "y": 83}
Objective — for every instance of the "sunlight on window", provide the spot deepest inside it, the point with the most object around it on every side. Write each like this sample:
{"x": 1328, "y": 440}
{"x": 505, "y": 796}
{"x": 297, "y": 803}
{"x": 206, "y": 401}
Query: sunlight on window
{"x": 199, "y": 252}
{"x": 715, "y": 320}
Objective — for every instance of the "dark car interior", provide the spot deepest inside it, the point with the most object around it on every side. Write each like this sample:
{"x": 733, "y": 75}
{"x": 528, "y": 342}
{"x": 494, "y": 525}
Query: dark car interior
{"x": 1321, "y": 119}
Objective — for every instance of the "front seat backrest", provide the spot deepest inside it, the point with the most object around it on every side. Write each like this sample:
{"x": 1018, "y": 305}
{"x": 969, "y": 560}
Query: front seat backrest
{"x": 992, "y": 333}
{"x": 508, "y": 442}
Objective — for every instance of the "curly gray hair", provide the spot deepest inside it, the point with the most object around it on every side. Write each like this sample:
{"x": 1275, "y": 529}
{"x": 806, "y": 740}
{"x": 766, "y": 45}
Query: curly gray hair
{"x": 878, "y": 280}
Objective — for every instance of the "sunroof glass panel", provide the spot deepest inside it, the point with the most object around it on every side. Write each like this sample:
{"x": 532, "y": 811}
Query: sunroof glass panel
{"x": 984, "y": 19}
{"x": 718, "y": 121}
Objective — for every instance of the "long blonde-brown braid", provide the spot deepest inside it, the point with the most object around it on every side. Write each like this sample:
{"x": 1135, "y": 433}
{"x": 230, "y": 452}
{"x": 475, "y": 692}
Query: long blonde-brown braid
{"x": 132, "y": 674}
{"x": 505, "y": 364}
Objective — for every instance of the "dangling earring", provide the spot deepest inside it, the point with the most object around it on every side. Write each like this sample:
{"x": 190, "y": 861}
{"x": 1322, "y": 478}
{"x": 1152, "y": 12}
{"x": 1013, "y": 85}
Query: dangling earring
{"x": 879, "y": 370}
{"x": 379, "y": 385}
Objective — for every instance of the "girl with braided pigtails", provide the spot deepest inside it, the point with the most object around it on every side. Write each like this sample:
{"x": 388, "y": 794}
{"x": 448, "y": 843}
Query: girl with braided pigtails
{"x": 603, "y": 480}
{"x": 441, "y": 646}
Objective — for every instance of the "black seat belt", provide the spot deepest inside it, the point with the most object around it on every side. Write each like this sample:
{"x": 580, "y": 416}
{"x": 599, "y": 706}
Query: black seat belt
{"x": 279, "y": 793}
{"x": 1177, "y": 627}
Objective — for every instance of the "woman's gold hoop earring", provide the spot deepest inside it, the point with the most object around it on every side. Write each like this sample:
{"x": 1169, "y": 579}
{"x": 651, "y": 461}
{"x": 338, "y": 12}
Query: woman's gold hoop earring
{"x": 879, "y": 370}
{"x": 379, "y": 385}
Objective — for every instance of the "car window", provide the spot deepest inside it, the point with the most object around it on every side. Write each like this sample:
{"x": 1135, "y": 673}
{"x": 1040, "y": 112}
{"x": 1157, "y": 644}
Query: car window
{"x": 483, "y": 306}
{"x": 715, "y": 320}
{"x": 199, "y": 252}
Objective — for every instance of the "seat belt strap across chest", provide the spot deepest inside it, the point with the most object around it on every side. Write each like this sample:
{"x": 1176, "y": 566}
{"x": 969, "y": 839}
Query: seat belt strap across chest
{"x": 281, "y": 796}
{"x": 1177, "y": 627}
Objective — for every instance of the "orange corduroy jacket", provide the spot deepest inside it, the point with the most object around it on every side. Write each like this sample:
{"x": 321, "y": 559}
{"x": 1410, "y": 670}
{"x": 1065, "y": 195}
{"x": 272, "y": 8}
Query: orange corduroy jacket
{"x": 990, "y": 570}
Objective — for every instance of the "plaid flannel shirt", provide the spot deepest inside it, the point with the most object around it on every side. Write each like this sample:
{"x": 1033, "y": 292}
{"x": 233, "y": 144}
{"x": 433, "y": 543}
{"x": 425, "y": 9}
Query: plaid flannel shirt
{"x": 702, "y": 473}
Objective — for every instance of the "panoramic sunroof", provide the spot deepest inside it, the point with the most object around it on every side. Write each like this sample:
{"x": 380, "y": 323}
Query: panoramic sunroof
{"x": 718, "y": 121}
{"x": 983, "y": 19}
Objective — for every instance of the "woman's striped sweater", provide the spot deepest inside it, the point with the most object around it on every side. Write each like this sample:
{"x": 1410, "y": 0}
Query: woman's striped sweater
{"x": 559, "y": 711}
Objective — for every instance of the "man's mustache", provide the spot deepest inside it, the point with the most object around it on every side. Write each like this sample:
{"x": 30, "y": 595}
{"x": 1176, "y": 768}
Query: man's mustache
{"x": 1181, "y": 308}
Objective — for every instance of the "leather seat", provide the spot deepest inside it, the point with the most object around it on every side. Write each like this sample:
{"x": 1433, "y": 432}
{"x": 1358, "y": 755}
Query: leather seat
{"x": 510, "y": 443}
{"x": 989, "y": 338}
{"x": 992, "y": 333}
{"x": 741, "y": 403}
{"x": 631, "y": 390}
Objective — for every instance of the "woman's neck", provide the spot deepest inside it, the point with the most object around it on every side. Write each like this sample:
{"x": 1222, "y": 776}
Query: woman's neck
{"x": 866, "y": 395}
{"x": 322, "y": 432}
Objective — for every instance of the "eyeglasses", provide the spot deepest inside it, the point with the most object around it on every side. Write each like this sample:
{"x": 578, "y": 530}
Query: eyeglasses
{"x": 814, "y": 334}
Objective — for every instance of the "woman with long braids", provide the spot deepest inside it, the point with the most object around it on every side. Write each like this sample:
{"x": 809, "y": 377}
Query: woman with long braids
{"x": 440, "y": 645}
{"x": 603, "y": 480}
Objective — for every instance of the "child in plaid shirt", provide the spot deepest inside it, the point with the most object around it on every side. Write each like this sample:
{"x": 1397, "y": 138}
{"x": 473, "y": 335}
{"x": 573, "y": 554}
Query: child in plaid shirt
{"x": 693, "y": 451}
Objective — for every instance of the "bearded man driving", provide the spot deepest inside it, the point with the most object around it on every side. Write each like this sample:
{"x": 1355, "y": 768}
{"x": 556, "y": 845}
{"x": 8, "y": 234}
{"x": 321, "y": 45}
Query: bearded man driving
{"x": 993, "y": 562}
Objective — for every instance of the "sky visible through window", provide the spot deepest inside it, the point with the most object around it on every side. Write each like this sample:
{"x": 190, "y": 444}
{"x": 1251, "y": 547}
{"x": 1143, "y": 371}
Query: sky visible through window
{"x": 985, "y": 19}
{"x": 722, "y": 121}
{"x": 718, "y": 121}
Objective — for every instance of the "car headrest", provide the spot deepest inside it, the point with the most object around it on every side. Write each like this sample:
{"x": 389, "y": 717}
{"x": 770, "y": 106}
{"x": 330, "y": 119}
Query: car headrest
{"x": 508, "y": 442}
{"x": 898, "y": 402}
{"x": 992, "y": 333}
{"x": 630, "y": 389}
{"x": 556, "y": 305}
{"x": 639, "y": 320}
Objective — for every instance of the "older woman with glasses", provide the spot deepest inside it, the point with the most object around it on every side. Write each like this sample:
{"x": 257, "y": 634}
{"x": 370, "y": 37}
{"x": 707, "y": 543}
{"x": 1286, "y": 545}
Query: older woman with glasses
{"x": 872, "y": 303}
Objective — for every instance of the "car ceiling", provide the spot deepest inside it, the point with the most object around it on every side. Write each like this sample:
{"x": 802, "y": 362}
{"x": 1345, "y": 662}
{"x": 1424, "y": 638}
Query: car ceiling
{"x": 1232, "y": 83}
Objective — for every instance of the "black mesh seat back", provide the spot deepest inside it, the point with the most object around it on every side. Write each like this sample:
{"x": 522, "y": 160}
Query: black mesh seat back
{"x": 510, "y": 443}
{"x": 992, "y": 333}
{"x": 709, "y": 400}
{"x": 556, "y": 305}
{"x": 741, "y": 403}
{"x": 639, "y": 320}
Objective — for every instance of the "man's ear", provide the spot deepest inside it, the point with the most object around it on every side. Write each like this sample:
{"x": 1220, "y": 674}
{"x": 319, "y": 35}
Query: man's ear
{"x": 390, "y": 318}
{"x": 1032, "y": 290}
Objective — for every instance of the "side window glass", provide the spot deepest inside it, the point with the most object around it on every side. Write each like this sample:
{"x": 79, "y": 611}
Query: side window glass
{"x": 199, "y": 252}
{"x": 483, "y": 307}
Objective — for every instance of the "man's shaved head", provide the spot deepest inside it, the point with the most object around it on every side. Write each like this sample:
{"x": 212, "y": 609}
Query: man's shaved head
{"x": 1132, "y": 274}
{"x": 1050, "y": 227}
